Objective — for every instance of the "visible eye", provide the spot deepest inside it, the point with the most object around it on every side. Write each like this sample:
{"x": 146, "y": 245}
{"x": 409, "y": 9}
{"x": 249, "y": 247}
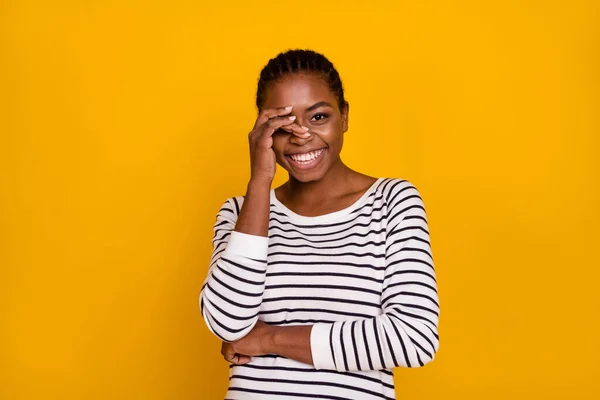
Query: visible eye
{"x": 319, "y": 117}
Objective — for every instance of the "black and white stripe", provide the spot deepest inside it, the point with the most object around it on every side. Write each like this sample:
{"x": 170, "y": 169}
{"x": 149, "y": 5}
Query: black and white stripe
{"x": 364, "y": 276}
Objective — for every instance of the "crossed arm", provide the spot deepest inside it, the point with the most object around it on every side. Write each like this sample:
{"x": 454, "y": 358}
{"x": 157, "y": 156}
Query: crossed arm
{"x": 405, "y": 334}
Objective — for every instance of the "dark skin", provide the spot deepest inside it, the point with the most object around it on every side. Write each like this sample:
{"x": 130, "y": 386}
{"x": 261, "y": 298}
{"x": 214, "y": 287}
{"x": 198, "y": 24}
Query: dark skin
{"x": 312, "y": 122}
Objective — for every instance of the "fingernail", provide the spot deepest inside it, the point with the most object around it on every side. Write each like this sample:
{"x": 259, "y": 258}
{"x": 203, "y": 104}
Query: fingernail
{"x": 293, "y": 117}
{"x": 288, "y": 108}
{"x": 305, "y": 128}
{"x": 306, "y": 135}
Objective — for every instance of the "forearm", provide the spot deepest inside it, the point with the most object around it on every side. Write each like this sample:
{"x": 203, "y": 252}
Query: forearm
{"x": 254, "y": 215}
{"x": 396, "y": 338}
{"x": 232, "y": 293}
{"x": 381, "y": 342}
{"x": 291, "y": 342}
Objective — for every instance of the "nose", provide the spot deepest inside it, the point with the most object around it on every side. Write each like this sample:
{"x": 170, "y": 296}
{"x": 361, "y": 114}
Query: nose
{"x": 300, "y": 141}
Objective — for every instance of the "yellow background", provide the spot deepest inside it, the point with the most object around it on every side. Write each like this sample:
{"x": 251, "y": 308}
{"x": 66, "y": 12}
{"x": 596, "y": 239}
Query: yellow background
{"x": 123, "y": 128}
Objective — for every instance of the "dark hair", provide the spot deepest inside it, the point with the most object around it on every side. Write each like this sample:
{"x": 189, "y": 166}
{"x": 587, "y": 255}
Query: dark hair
{"x": 300, "y": 61}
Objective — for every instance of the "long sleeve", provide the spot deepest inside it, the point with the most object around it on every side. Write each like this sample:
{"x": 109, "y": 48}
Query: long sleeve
{"x": 406, "y": 332}
{"x": 232, "y": 292}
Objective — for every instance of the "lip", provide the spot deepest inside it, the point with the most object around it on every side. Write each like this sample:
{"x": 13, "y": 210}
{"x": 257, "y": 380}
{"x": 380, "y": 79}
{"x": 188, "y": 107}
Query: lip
{"x": 307, "y": 166}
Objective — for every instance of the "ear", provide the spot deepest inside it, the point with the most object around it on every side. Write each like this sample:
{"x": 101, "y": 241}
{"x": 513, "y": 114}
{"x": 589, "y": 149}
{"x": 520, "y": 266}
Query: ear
{"x": 345, "y": 110}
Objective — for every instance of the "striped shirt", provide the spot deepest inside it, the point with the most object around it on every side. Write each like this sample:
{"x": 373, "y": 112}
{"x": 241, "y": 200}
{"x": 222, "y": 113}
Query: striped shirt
{"x": 363, "y": 276}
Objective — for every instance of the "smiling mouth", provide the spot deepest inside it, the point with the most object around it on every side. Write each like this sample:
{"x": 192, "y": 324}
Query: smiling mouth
{"x": 308, "y": 158}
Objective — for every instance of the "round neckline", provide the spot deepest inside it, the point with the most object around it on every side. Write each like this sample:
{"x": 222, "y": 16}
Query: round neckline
{"x": 329, "y": 216}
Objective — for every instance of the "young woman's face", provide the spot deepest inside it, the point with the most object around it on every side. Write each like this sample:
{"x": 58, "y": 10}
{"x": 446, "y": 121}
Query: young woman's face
{"x": 316, "y": 108}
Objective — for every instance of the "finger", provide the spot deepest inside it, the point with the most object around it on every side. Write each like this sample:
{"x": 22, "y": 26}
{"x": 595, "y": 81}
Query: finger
{"x": 238, "y": 359}
{"x": 230, "y": 358}
{"x": 241, "y": 360}
{"x": 300, "y": 131}
{"x": 273, "y": 125}
{"x": 227, "y": 351}
{"x": 269, "y": 113}
{"x": 279, "y": 122}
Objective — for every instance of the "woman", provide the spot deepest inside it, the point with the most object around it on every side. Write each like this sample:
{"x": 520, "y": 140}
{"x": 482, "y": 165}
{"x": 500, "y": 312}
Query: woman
{"x": 320, "y": 287}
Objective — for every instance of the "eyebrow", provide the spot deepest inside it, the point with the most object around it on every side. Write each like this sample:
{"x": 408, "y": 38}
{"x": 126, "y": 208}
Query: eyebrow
{"x": 319, "y": 104}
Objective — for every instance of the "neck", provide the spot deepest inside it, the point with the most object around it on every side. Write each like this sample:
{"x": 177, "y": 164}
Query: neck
{"x": 332, "y": 184}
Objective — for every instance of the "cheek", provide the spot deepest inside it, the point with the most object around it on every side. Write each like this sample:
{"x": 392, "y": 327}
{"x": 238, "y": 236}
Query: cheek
{"x": 279, "y": 140}
{"x": 331, "y": 134}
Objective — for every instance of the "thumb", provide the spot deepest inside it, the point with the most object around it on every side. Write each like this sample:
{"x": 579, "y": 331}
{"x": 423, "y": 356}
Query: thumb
{"x": 241, "y": 360}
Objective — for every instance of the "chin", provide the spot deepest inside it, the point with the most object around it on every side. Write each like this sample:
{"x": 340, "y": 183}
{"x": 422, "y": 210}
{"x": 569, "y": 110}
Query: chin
{"x": 306, "y": 177}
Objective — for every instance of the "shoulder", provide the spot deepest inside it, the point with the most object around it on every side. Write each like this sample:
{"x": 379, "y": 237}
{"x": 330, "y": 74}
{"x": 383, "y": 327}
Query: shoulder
{"x": 397, "y": 192}
{"x": 405, "y": 206}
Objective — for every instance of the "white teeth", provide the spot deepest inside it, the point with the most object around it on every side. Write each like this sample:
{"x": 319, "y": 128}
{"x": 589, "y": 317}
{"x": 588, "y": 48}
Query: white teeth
{"x": 306, "y": 158}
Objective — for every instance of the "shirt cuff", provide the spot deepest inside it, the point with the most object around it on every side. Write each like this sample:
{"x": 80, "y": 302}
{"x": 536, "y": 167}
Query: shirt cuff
{"x": 249, "y": 246}
{"x": 320, "y": 346}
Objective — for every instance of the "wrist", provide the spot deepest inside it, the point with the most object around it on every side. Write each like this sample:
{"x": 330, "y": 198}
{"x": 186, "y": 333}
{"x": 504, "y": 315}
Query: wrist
{"x": 271, "y": 340}
{"x": 259, "y": 184}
